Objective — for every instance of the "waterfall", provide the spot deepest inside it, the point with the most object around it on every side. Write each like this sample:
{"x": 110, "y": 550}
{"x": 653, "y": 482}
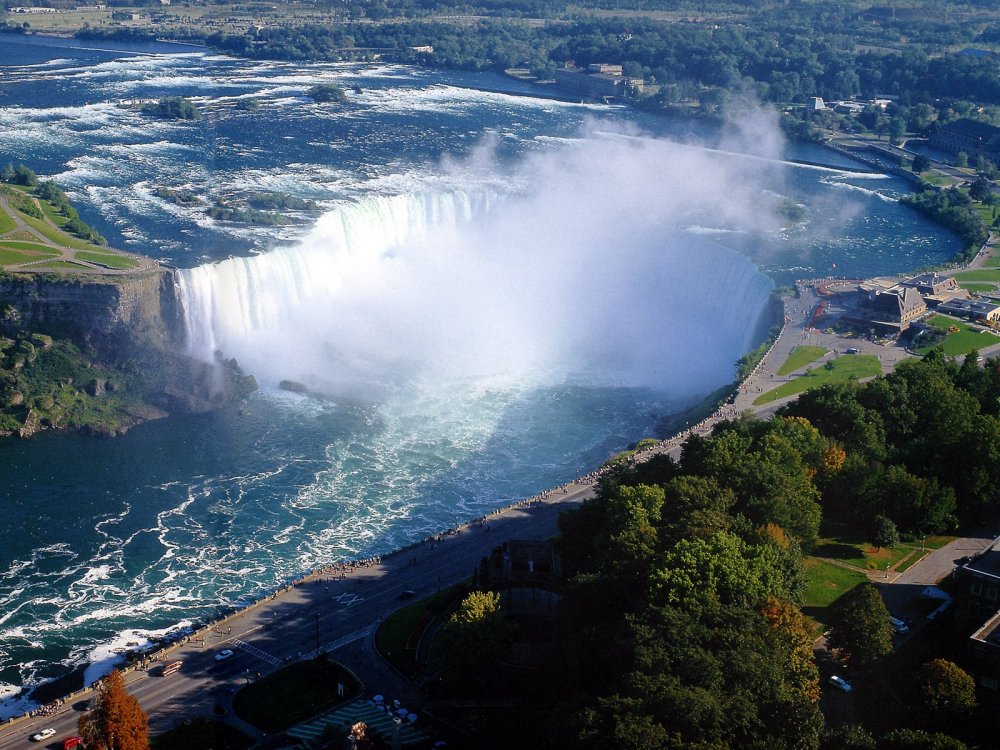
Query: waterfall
{"x": 478, "y": 285}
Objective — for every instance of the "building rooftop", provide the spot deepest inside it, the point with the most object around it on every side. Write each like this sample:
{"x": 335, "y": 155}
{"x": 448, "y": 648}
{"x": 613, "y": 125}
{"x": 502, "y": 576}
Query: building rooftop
{"x": 987, "y": 562}
{"x": 990, "y": 631}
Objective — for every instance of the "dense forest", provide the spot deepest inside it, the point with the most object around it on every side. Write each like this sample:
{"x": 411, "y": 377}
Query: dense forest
{"x": 680, "y": 622}
{"x": 783, "y": 52}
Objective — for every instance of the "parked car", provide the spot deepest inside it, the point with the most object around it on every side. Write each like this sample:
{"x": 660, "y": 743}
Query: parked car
{"x": 224, "y": 654}
{"x": 898, "y": 625}
{"x": 43, "y": 735}
{"x": 840, "y": 683}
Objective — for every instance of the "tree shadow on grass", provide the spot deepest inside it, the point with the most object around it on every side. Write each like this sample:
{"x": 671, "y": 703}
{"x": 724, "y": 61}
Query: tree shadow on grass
{"x": 836, "y": 551}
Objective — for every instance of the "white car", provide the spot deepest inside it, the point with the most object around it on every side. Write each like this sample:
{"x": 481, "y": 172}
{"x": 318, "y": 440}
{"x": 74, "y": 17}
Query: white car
{"x": 43, "y": 735}
{"x": 224, "y": 654}
{"x": 841, "y": 683}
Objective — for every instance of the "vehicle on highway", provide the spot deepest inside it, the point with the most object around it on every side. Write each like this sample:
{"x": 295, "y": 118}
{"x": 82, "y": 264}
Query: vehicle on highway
{"x": 170, "y": 668}
{"x": 70, "y": 742}
{"x": 840, "y": 683}
{"x": 226, "y": 653}
{"x": 852, "y": 350}
{"x": 407, "y": 594}
{"x": 898, "y": 626}
{"x": 43, "y": 735}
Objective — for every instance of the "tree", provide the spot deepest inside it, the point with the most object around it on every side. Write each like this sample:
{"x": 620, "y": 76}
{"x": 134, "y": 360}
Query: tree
{"x": 981, "y": 190}
{"x": 884, "y": 532}
{"x": 117, "y": 721}
{"x": 921, "y": 163}
{"x": 860, "y": 625}
{"x": 327, "y": 92}
{"x": 914, "y": 739}
{"x": 475, "y": 637}
{"x": 943, "y": 692}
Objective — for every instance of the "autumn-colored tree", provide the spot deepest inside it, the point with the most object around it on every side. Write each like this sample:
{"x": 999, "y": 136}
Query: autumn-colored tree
{"x": 788, "y": 627}
{"x": 116, "y": 721}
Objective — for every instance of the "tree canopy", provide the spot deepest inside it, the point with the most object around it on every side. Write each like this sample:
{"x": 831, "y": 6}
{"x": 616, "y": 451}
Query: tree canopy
{"x": 115, "y": 721}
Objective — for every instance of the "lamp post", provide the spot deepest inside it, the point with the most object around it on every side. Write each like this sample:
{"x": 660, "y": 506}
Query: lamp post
{"x": 317, "y": 634}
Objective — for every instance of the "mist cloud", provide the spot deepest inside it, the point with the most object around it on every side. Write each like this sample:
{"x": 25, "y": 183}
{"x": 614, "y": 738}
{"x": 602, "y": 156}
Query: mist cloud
{"x": 586, "y": 272}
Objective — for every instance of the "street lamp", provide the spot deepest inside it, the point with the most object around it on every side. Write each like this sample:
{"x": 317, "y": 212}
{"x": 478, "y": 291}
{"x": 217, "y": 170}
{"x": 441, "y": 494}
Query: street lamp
{"x": 317, "y": 634}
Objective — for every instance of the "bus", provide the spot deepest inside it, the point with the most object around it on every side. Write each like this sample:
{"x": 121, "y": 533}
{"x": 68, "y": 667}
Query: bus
{"x": 170, "y": 667}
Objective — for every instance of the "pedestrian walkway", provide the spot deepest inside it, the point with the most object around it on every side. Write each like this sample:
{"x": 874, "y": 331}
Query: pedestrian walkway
{"x": 342, "y": 719}
{"x": 254, "y": 651}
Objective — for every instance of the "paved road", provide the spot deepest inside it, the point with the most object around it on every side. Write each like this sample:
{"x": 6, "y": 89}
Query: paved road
{"x": 284, "y": 628}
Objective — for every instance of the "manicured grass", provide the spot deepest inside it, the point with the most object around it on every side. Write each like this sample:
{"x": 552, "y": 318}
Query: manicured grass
{"x": 799, "y": 357}
{"x": 827, "y": 583}
{"x": 938, "y": 178}
{"x": 980, "y": 274}
{"x": 8, "y": 256}
{"x": 201, "y": 733}
{"x": 978, "y": 287}
{"x": 60, "y": 265}
{"x": 295, "y": 693}
{"x": 913, "y": 560}
{"x": 106, "y": 259}
{"x": 36, "y": 247}
{"x": 7, "y": 224}
{"x": 860, "y": 553}
{"x": 397, "y": 637}
{"x": 57, "y": 236}
{"x": 844, "y": 368}
{"x": 964, "y": 341}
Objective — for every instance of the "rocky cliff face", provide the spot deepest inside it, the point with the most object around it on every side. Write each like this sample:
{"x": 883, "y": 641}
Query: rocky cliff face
{"x": 107, "y": 313}
{"x": 128, "y": 329}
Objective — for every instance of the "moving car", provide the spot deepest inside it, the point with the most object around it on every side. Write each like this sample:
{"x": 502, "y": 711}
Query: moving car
{"x": 841, "y": 683}
{"x": 70, "y": 742}
{"x": 224, "y": 654}
{"x": 43, "y": 735}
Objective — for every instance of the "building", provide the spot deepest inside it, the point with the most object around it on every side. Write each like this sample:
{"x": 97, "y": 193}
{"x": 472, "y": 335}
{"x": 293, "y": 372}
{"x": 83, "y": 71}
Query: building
{"x": 935, "y": 288}
{"x": 886, "y": 311}
{"x": 526, "y": 573}
{"x": 973, "y": 138}
{"x": 816, "y": 103}
{"x": 971, "y": 309}
{"x": 977, "y": 609}
{"x": 599, "y": 81}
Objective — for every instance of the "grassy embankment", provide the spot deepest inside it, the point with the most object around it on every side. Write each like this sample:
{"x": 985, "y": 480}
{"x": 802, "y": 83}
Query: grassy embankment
{"x": 295, "y": 693}
{"x": 962, "y": 341}
{"x": 799, "y": 357}
{"x": 841, "y": 561}
{"x": 841, "y": 369}
{"x": 34, "y": 237}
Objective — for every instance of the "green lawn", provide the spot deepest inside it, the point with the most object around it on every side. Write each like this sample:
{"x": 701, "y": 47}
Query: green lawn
{"x": 29, "y": 246}
{"x": 799, "y": 357}
{"x": 106, "y": 259}
{"x": 60, "y": 265}
{"x": 17, "y": 256}
{"x": 295, "y": 693}
{"x": 978, "y": 287}
{"x": 980, "y": 274}
{"x": 860, "y": 553}
{"x": 6, "y": 223}
{"x": 827, "y": 583}
{"x": 58, "y": 236}
{"x": 396, "y": 638}
{"x": 844, "y": 368}
{"x": 964, "y": 341}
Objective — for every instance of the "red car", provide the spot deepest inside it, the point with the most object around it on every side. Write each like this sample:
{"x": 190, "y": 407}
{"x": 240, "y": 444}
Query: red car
{"x": 71, "y": 742}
